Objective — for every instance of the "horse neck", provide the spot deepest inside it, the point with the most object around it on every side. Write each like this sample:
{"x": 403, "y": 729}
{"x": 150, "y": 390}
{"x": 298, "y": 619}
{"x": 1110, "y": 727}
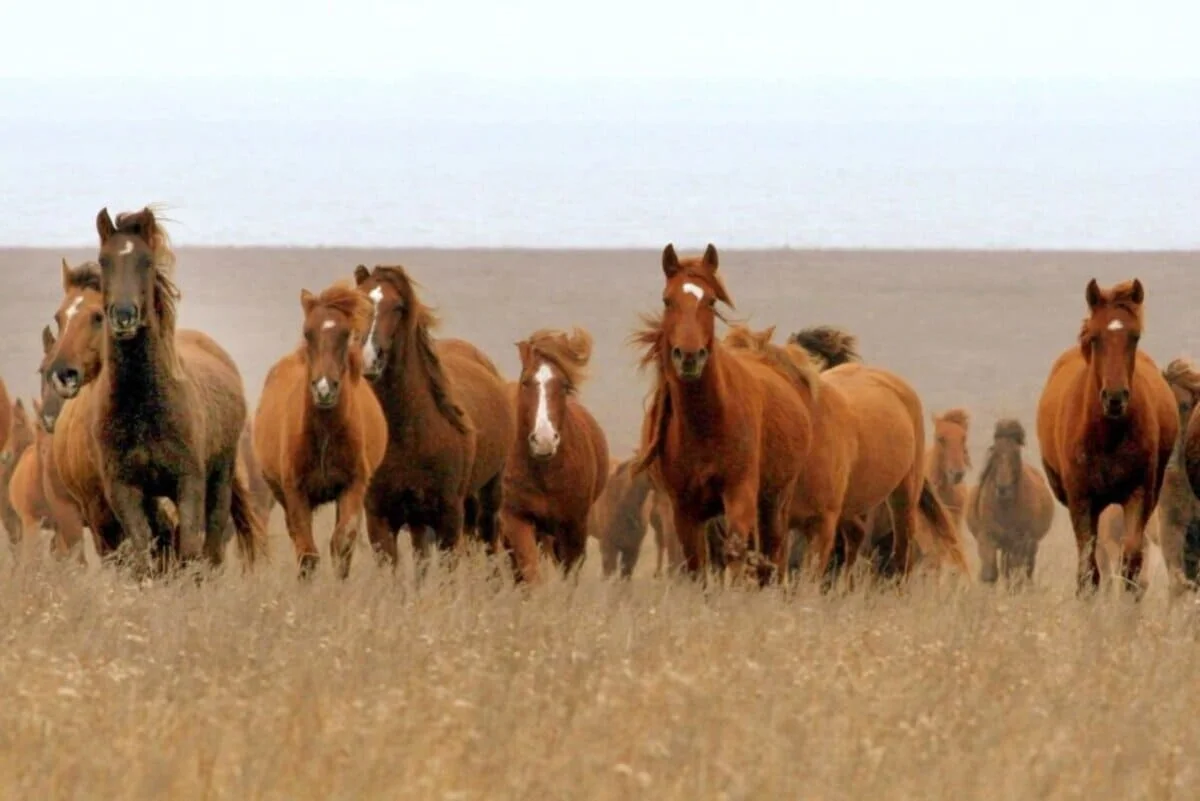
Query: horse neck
{"x": 138, "y": 368}
{"x": 407, "y": 390}
{"x": 699, "y": 405}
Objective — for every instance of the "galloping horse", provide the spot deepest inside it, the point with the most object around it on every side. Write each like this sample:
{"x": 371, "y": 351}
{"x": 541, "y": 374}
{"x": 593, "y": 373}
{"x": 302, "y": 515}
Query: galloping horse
{"x": 558, "y": 464}
{"x": 1010, "y": 510}
{"x": 1107, "y": 423}
{"x": 727, "y": 431}
{"x": 1178, "y": 506}
{"x": 319, "y": 431}
{"x": 619, "y": 518}
{"x": 949, "y": 460}
{"x": 867, "y": 449}
{"x": 167, "y": 411}
{"x": 450, "y": 422}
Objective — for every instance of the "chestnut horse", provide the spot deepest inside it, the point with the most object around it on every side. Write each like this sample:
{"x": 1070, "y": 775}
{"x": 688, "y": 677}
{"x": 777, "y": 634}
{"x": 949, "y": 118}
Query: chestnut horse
{"x": 1107, "y": 423}
{"x": 1178, "y": 506}
{"x": 727, "y": 431}
{"x": 450, "y": 423}
{"x": 20, "y": 440}
{"x": 6, "y": 419}
{"x": 319, "y": 431}
{"x": 167, "y": 412}
{"x": 1010, "y": 510}
{"x": 867, "y": 449}
{"x": 949, "y": 460}
{"x": 557, "y": 465}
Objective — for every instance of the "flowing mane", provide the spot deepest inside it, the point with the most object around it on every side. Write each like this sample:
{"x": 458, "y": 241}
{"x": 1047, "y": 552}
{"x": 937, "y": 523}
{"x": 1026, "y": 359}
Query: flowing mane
{"x": 347, "y": 301}
{"x": 424, "y": 322}
{"x": 85, "y": 276}
{"x": 829, "y": 345}
{"x": 958, "y": 417}
{"x": 792, "y": 361}
{"x": 570, "y": 354}
{"x": 1183, "y": 374}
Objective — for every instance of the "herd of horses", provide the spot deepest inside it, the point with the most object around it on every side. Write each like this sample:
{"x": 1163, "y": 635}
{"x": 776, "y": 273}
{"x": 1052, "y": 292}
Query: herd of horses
{"x": 760, "y": 461}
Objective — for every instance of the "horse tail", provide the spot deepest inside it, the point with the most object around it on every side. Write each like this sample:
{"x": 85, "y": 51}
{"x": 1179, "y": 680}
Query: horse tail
{"x": 250, "y": 531}
{"x": 944, "y": 533}
{"x": 1191, "y": 550}
{"x": 831, "y": 345}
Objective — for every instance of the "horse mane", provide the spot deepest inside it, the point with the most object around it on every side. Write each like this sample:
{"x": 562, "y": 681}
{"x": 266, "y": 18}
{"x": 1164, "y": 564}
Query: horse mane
{"x": 145, "y": 225}
{"x": 957, "y": 416}
{"x": 1009, "y": 428}
{"x": 792, "y": 361}
{"x": 424, "y": 322}
{"x": 570, "y": 354}
{"x": 1183, "y": 374}
{"x": 829, "y": 345}
{"x": 83, "y": 277}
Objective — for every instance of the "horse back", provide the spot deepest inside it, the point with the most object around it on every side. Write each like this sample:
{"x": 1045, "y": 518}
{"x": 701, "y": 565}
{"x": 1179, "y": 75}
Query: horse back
{"x": 488, "y": 403}
{"x": 784, "y": 417}
{"x": 277, "y": 428}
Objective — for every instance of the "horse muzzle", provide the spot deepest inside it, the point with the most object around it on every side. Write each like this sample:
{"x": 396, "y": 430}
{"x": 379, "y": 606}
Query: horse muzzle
{"x": 543, "y": 448}
{"x": 325, "y": 393}
{"x": 65, "y": 382}
{"x": 124, "y": 319}
{"x": 373, "y": 362}
{"x": 689, "y": 364}
{"x": 48, "y": 421}
{"x": 1006, "y": 493}
{"x": 1114, "y": 403}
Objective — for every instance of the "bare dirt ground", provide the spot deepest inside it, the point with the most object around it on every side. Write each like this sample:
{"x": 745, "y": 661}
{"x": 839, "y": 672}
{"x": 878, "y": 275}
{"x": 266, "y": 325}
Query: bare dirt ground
{"x": 257, "y": 687}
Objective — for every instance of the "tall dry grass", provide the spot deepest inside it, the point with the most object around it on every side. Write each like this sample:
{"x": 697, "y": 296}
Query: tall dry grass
{"x": 466, "y": 688}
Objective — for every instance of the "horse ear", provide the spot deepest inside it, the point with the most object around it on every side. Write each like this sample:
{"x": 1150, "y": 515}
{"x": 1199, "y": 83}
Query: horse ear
{"x": 37, "y": 407}
{"x": 1093, "y": 294}
{"x": 670, "y": 261}
{"x": 19, "y": 408}
{"x": 1139, "y": 291}
{"x": 523, "y": 349}
{"x": 307, "y": 301}
{"x": 104, "y": 225}
{"x": 47, "y": 340}
{"x": 66, "y": 275}
{"x": 361, "y": 274}
{"x": 710, "y": 257}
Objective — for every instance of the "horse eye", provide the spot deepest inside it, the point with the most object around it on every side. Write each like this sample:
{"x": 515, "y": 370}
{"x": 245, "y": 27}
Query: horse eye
{"x": 97, "y": 319}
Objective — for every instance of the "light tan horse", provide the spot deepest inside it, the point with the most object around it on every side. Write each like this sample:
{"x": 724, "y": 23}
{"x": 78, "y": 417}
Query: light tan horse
{"x": 1010, "y": 510}
{"x": 948, "y": 460}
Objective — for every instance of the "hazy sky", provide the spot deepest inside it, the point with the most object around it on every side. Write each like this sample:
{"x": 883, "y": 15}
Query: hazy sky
{"x": 616, "y": 38}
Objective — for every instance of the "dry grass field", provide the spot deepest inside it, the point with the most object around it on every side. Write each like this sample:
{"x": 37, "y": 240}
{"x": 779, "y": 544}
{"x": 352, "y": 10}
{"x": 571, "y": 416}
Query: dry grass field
{"x": 258, "y": 687}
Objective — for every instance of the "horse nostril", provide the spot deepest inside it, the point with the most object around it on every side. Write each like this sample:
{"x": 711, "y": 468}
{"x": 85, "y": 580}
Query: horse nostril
{"x": 557, "y": 439}
{"x": 702, "y": 353}
{"x": 676, "y": 353}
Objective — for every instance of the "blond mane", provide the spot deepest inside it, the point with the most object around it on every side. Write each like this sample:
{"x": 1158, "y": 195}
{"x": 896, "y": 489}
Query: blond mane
{"x": 1183, "y": 374}
{"x": 956, "y": 416}
{"x": 569, "y": 353}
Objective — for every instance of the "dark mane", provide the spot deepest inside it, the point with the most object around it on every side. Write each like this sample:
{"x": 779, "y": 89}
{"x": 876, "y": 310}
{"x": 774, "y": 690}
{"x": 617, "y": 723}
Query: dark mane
{"x": 85, "y": 276}
{"x": 423, "y": 322}
{"x": 831, "y": 346}
{"x": 1011, "y": 429}
{"x": 1006, "y": 429}
{"x": 570, "y": 354}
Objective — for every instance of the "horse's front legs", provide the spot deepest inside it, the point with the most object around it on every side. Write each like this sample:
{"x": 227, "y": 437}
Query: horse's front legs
{"x": 193, "y": 526}
{"x": 127, "y": 504}
{"x": 1083, "y": 520}
{"x": 741, "y": 518}
{"x": 345, "y": 530}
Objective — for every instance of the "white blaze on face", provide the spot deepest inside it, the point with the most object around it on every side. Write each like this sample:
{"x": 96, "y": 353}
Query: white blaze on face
{"x": 545, "y": 438}
{"x": 694, "y": 290}
{"x": 1116, "y": 325}
{"x": 70, "y": 313}
{"x": 127, "y": 248}
{"x": 323, "y": 386}
{"x": 370, "y": 355}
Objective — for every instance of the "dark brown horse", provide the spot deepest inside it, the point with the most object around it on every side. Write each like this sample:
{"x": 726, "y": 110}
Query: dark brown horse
{"x": 1011, "y": 510}
{"x": 1107, "y": 424}
{"x": 319, "y": 431}
{"x": 1178, "y": 506}
{"x": 727, "y": 432}
{"x": 558, "y": 463}
{"x": 450, "y": 423}
{"x": 619, "y": 519}
{"x": 168, "y": 411}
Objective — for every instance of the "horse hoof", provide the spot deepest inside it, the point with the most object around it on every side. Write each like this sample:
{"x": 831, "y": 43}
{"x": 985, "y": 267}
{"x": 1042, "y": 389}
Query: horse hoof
{"x": 308, "y": 565}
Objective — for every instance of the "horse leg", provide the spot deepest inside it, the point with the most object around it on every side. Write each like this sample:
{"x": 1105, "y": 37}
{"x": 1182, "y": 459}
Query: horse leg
{"x": 609, "y": 556}
{"x": 490, "y": 496}
{"x": 1171, "y": 533}
{"x": 1084, "y": 517}
{"x": 902, "y": 504}
{"x": 693, "y": 540}
{"x": 521, "y": 537}
{"x": 299, "y": 515}
{"x": 989, "y": 571}
{"x": 820, "y": 532}
{"x": 128, "y": 506}
{"x": 571, "y": 547}
{"x": 70, "y": 529}
{"x": 382, "y": 539}
{"x": 345, "y": 530}
{"x": 1133, "y": 546}
{"x": 741, "y": 518}
{"x": 192, "y": 506}
{"x": 218, "y": 500}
